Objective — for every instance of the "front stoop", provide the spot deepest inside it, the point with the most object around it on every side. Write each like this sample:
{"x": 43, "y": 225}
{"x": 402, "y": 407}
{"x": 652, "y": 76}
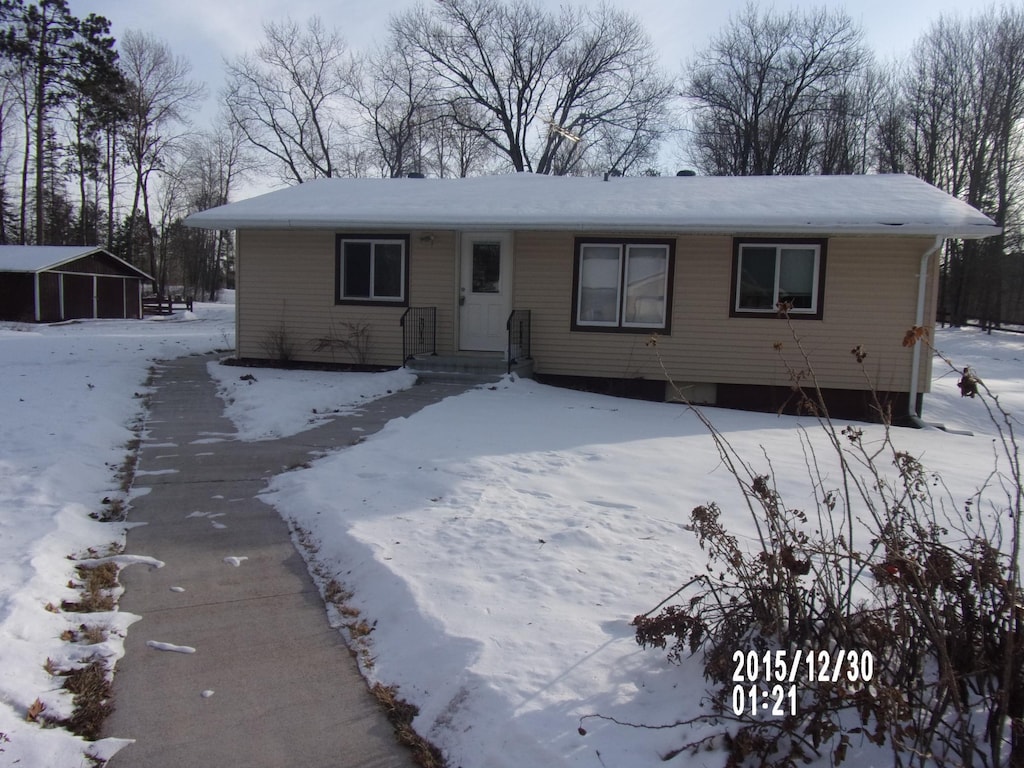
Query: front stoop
{"x": 483, "y": 366}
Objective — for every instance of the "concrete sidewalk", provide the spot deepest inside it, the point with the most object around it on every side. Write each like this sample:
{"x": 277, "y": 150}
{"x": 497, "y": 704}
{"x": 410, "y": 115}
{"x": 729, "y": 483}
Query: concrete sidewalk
{"x": 270, "y": 682}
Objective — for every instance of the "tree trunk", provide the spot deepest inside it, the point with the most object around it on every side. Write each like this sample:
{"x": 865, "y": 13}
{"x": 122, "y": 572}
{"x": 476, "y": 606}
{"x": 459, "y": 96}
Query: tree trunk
{"x": 41, "y": 73}
{"x": 130, "y": 244}
{"x": 23, "y": 215}
{"x": 84, "y": 204}
{"x": 159, "y": 279}
{"x": 111, "y": 163}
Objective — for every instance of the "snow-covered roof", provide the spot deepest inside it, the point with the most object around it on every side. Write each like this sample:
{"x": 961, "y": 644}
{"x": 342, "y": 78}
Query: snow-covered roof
{"x": 820, "y": 205}
{"x": 37, "y": 258}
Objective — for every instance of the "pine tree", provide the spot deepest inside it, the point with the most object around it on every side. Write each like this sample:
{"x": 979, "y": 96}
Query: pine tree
{"x": 62, "y": 56}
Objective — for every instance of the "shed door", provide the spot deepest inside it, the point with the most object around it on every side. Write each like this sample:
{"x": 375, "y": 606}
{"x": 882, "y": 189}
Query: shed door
{"x": 485, "y": 293}
{"x": 79, "y": 296}
{"x": 110, "y": 295}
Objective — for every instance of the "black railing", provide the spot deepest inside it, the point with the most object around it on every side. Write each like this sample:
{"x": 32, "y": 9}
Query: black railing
{"x": 518, "y": 327}
{"x": 419, "y": 332}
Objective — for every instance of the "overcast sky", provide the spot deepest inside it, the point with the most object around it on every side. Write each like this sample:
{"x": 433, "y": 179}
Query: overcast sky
{"x": 207, "y": 31}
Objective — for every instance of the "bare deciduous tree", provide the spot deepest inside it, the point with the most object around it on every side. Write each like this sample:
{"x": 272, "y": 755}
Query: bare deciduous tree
{"x": 889, "y": 141}
{"x": 964, "y": 96}
{"x": 457, "y": 151}
{"x": 161, "y": 95}
{"x": 216, "y": 162}
{"x": 396, "y": 98}
{"x": 289, "y": 99}
{"x": 541, "y": 88}
{"x": 760, "y": 91}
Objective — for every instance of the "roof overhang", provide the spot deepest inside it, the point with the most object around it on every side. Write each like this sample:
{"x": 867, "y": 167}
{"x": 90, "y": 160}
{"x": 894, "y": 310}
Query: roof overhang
{"x": 889, "y": 205}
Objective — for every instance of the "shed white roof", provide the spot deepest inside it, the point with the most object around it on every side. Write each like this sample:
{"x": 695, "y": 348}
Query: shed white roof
{"x": 37, "y": 258}
{"x": 820, "y": 205}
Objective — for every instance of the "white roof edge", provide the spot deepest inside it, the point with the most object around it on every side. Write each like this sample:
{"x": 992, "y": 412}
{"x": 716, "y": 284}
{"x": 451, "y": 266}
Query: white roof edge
{"x": 69, "y": 253}
{"x": 975, "y": 232}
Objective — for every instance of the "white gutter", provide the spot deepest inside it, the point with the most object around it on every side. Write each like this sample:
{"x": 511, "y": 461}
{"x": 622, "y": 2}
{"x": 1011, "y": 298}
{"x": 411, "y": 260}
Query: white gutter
{"x": 600, "y": 222}
{"x": 922, "y": 289}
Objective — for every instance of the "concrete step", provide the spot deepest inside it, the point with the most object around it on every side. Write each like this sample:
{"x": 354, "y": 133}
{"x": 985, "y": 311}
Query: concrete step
{"x": 483, "y": 367}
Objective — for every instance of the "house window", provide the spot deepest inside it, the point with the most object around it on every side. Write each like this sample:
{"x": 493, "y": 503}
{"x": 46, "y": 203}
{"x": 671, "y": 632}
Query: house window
{"x": 372, "y": 270}
{"x": 622, "y": 285}
{"x": 768, "y": 273}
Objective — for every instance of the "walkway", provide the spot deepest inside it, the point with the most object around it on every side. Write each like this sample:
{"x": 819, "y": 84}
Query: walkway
{"x": 270, "y": 683}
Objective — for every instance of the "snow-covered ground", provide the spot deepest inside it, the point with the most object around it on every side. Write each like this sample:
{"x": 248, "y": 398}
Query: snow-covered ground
{"x": 501, "y": 541}
{"x": 267, "y": 403}
{"x": 504, "y": 540}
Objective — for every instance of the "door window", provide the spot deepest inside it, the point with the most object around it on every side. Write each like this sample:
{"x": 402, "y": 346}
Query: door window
{"x": 486, "y": 267}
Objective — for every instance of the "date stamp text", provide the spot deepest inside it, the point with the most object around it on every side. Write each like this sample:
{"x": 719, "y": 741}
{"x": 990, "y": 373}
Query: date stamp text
{"x": 768, "y": 682}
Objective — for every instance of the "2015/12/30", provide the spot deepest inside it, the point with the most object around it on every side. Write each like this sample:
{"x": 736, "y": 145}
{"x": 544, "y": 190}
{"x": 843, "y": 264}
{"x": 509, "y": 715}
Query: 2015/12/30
{"x": 803, "y": 666}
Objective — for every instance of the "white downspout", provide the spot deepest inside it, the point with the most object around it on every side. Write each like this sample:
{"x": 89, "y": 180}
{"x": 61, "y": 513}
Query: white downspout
{"x": 922, "y": 290}
{"x": 238, "y": 272}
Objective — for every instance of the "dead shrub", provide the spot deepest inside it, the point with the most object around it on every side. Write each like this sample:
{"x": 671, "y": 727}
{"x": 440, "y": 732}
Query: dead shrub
{"x": 277, "y": 343}
{"x": 96, "y": 586}
{"x": 351, "y": 337}
{"x": 910, "y": 600}
{"x": 336, "y": 594}
{"x": 400, "y": 714}
{"x": 114, "y": 509}
{"x": 359, "y": 629}
{"x": 126, "y": 473}
{"x": 92, "y": 700}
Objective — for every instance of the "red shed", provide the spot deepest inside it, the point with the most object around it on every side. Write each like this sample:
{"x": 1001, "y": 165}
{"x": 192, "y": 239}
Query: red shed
{"x": 49, "y": 283}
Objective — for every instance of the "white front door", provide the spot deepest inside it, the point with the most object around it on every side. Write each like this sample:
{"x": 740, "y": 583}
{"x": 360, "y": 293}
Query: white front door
{"x": 485, "y": 292}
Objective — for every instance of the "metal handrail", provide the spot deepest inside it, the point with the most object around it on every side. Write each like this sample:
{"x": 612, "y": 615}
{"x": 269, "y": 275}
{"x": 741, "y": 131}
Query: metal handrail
{"x": 419, "y": 335}
{"x": 519, "y": 331}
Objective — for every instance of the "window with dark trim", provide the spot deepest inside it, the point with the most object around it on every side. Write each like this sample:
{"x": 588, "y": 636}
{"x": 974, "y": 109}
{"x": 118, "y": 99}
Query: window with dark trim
{"x": 622, "y": 285}
{"x": 767, "y": 273}
{"x": 372, "y": 269}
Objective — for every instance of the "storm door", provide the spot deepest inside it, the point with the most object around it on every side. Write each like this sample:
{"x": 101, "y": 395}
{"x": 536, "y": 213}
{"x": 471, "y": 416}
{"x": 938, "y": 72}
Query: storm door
{"x": 485, "y": 291}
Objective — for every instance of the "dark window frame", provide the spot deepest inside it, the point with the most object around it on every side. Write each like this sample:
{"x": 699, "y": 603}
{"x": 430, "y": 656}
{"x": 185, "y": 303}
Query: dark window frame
{"x": 373, "y": 239}
{"x": 778, "y": 242}
{"x": 623, "y": 242}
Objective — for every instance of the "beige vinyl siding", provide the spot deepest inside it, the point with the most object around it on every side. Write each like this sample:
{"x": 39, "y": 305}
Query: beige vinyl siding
{"x": 286, "y": 284}
{"x": 870, "y": 300}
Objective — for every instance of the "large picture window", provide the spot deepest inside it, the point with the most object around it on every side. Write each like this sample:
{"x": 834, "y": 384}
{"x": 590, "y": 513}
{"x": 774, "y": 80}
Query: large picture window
{"x": 622, "y": 285}
{"x": 372, "y": 269}
{"x": 768, "y": 273}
